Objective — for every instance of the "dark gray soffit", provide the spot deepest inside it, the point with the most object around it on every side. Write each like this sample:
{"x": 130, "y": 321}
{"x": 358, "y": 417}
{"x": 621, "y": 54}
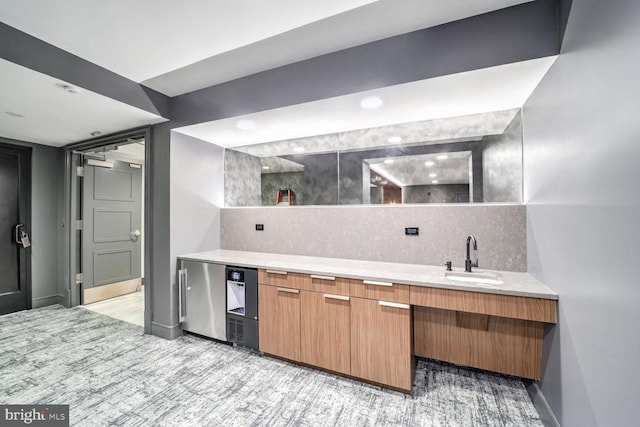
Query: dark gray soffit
{"x": 31, "y": 52}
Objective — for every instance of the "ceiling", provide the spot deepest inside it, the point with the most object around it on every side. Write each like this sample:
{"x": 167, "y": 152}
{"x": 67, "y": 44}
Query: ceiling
{"x": 53, "y": 116}
{"x": 157, "y": 41}
{"x": 175, "y": 48}
{"x": 424, "y": 169}
{"x": 481, "y": 91}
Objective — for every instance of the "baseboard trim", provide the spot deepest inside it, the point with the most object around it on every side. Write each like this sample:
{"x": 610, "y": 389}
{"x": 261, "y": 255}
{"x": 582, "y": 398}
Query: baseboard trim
{"x": 165, "y": 331}
{"x": 542, "y": 406}
{"x": 48, "y": 300}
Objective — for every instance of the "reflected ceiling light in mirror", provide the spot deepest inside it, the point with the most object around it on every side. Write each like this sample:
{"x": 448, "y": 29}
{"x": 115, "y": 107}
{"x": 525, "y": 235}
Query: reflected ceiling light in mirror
{"x": 435, "y": 181}
{"x": 265, "y": 167}
{"x": 377, "y": 168}
{"x": 442, "y": 157}
{"x": 371, "y": 103}
{"x": 394, "y": 139}
{"x": 298, "y": 149}
{"x": 245, "y": 124}
{"x": 388, "y": 161}
{"x": 433, "y": 175}
{"x": 429, "y": 163}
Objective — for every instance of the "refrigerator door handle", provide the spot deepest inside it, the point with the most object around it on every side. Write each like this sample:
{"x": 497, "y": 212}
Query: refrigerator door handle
{"x": 182, "y": 286}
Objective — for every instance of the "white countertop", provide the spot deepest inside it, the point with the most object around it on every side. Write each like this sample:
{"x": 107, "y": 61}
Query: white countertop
{"x": 518, "y": 284}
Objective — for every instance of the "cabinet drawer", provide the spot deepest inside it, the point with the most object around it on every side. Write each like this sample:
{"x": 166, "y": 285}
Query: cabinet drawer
{"x": 326, "y": 284}
{"x": 385, "y": 291}
{"x": 280, "y": 278}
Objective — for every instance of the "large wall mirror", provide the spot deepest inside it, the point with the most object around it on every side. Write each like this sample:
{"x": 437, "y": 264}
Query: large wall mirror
{"x": 468, "y": 159}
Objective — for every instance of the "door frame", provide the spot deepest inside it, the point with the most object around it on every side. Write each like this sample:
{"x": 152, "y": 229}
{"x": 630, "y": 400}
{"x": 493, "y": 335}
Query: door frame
{"x": 73, "y": 212}
{"x": 27, "y": 150}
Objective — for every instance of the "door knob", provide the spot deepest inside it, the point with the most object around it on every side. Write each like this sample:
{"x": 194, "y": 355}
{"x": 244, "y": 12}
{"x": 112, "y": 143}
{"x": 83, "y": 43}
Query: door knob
{"x": 135, "y": 234}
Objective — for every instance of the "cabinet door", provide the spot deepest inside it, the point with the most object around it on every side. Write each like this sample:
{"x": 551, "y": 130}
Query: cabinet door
{"x": 279, "y": 324}
{"x": 381, "y": 342}
{"x": 325, "y": 336}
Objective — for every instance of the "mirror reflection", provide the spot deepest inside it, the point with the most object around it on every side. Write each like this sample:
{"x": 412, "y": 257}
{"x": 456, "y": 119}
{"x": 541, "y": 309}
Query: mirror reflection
{"x": 470, "y": 159}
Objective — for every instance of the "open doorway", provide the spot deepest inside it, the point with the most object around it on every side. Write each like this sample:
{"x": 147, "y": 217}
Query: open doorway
{"x": 108, "y": 195}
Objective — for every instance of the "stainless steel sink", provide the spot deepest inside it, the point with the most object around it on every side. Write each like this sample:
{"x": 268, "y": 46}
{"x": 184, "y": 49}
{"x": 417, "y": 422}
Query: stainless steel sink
{"x": 484, "y": 278}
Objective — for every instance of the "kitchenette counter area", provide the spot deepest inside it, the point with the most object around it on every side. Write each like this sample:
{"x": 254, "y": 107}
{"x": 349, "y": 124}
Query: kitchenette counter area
{"x": 373, "y": 318}
{"x": 512, "y": 283}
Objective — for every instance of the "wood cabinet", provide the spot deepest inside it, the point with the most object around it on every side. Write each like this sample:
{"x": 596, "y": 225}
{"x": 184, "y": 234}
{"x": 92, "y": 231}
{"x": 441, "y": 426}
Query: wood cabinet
{"x": 279, "y": 321}
{"x": 326, "y": 284}
{"x": 313, "y": 320}
{"x": 324, "y": 331}
{"x": 368, "y": 329}
{"x": 514, "y": 307}
{"x": 381, "y": 342}
{"x": 500, "y": 333}
{"x": 281, "y": 278}
{"x": 384, "y": 291}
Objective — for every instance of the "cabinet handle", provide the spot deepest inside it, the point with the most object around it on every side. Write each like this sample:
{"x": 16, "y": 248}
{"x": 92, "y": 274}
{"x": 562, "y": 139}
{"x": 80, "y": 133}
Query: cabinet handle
{"x": 282, "y": 273}
{"x": 373, "y": 282}
{"x": 289, "y": 291}
{"x": 182, "y": 285}
{"x": 338, "y": 297}
{"x": 394, "y": 305}
{"x": 315, "y": 276}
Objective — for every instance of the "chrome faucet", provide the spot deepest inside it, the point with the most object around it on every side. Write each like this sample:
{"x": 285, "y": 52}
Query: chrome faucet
{"x": 467, "y": 262}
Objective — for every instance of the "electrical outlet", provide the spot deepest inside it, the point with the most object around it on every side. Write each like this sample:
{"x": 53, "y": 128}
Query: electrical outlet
{"x": 259, "y": 227}
{"x": 411, "y": 231}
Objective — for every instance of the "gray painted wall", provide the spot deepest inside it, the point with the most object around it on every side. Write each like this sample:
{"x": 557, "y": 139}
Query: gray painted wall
{"x": 377, "y": 233}
{"x": 46, "y": 172}
{"x": 581, "y": 175}
{"x": 160, "y": 295}
{"x": 197, "y": 174}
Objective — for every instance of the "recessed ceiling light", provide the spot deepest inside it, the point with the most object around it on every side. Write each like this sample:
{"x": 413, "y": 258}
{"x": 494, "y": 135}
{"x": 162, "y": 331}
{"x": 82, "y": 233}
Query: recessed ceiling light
{"x": 429, "y": 163}
{"x": 96, "y": 133}
{"x": 435, "y": 181}
{"x": 388, "y": 161}
{"x": 371, "y": 103}
{"x": 245, "y": 124}
{"x": 433, "y": 175}
{"x": 394, "y": 139}
{"x": 13, "y": 114}
{"x": 265, "y": 167}
{"x": 298, "y": 149}
{"x": 442, "y": 157}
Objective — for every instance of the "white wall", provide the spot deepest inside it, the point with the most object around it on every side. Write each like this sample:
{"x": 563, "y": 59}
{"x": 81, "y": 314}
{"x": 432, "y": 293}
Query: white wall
{"x": 197, "y": 194}
{"x": 581, "y": 178}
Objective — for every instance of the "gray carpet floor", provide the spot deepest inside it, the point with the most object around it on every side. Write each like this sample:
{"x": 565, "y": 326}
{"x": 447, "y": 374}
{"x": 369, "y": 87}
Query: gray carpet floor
{"x": 110, "y": 373}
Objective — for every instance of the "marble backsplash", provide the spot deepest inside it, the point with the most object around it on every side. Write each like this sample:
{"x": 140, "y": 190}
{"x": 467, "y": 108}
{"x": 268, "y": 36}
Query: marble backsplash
{"x": 376, "y": 233}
